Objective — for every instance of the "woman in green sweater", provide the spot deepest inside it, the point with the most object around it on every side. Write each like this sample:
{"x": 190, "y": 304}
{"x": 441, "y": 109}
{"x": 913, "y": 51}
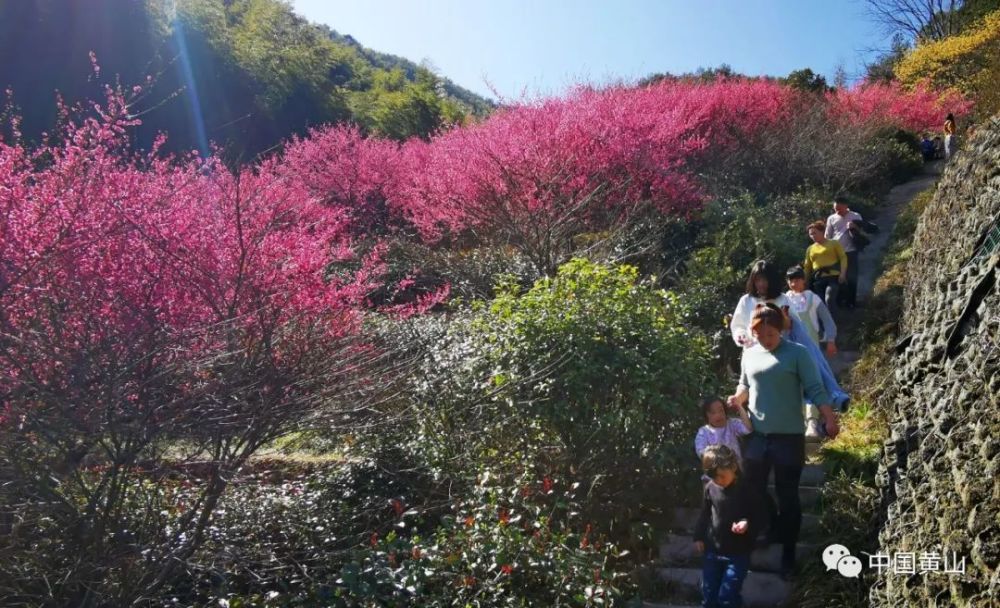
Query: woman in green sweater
{"x": 775, "y": 374}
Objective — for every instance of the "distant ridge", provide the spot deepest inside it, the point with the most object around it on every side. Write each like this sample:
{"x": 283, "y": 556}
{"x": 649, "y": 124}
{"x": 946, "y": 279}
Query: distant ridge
{"x": 477, "y": 103}
{"x": 261, "y": 72}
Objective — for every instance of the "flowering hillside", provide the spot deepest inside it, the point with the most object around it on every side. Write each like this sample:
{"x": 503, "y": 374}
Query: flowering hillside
{"x": 164, "y": 318}
{"x": 536, "y": 175}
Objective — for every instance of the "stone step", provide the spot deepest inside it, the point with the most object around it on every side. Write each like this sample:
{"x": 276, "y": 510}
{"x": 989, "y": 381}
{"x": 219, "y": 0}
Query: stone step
{"x": 760, "y": 589}
{"x": 812, "y": 448}
{"x": 685, "y": 519}
{"x": 678, "y": 550}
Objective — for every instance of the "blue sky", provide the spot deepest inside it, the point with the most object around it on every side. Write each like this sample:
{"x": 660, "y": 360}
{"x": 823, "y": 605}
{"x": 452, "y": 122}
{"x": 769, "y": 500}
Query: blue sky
{"x": 541, "y": 47}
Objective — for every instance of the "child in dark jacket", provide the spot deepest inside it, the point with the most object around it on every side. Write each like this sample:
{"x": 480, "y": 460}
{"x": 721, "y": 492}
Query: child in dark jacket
{"x": 732, "y": 514}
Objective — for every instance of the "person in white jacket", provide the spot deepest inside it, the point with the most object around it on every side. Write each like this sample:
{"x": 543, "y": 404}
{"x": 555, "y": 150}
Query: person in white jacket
{"x": 764, "y": 286}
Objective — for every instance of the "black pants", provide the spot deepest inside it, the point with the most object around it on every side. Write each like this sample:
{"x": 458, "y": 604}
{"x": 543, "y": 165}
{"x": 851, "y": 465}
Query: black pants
{"x": 786, "y": 454}
{"x": 848, "y": 294}
{"x": 828, "y": 289}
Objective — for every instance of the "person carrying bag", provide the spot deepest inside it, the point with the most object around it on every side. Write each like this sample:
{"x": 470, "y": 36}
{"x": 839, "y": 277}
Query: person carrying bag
{"x": 859, "y": 231}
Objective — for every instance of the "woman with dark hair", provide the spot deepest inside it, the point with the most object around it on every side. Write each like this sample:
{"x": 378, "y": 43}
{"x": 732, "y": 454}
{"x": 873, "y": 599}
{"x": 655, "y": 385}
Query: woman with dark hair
{"x": 775, "y": 373}
{"x": 765, "y": 287}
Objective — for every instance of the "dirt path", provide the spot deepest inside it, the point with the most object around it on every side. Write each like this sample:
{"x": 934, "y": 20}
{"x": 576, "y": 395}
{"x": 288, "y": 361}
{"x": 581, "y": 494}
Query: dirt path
{"x": 871, "y": 258}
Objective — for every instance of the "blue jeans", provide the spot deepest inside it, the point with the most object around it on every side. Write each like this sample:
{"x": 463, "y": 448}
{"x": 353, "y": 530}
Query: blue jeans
{"x": 722, "y": 579}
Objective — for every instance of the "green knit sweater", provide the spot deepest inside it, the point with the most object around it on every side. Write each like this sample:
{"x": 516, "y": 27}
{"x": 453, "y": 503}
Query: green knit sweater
{"x": 777, "y": 380}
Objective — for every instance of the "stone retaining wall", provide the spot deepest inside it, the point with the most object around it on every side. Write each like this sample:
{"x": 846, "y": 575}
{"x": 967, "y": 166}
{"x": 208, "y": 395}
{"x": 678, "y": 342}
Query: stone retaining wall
{"x": 940, "y": 470}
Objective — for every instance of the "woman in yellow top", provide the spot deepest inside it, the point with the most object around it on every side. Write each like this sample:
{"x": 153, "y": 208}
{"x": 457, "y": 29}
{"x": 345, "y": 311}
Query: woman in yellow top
{"x": 825, "y": 264}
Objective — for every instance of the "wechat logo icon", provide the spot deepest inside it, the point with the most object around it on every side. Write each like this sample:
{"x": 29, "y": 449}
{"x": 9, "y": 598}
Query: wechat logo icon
{"x": 839, "y": 558}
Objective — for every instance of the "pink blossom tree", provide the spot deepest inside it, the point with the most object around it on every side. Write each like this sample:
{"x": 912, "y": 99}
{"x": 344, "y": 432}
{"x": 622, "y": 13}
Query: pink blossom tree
{"x": 155, "y": 311}
{"x": 890, "y": 104}
{"x": 348, "y": 173}
{"x": 547, "y": 178}
{"x": 837, "y": 141}
{"x": 538, "y": 176}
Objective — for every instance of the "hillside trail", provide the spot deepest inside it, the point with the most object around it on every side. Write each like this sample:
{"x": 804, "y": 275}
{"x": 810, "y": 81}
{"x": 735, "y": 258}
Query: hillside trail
{"x": 680, "y": 567}
{"x": 870, "y": 263}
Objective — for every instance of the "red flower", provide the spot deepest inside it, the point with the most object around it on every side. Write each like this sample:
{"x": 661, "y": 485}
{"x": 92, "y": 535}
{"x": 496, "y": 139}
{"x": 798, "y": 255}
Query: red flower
{"x": 506, "y": 569}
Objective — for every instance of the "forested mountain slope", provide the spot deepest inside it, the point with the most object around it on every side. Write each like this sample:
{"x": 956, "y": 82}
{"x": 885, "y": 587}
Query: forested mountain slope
{"x": 244, "y": 74}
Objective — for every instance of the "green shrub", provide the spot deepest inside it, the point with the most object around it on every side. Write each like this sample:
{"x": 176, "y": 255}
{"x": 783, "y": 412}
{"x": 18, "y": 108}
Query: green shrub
{"x": 525, "y": 545}
{"x": 711, "y": 287}
{"x": 356, "y": 535}
{"x": 903, "y": 159}
{"x": 289, "y": 529}
{"x": 592, "y": 374}
{"x": 605, "y": 363}
{"x": 735, "y": 232}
